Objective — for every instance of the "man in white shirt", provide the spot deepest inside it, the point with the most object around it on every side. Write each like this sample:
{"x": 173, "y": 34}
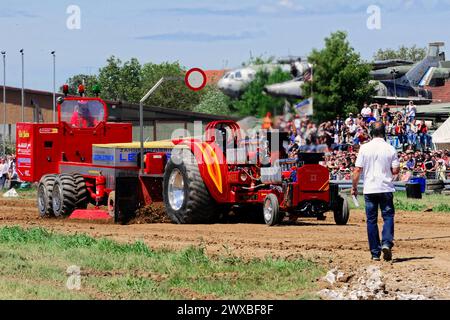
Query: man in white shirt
{"x": 378, "y": 162}
{"x": 412, "y": 109}
{"x": 366, "y": 112}
{"x": 350, "y": 118}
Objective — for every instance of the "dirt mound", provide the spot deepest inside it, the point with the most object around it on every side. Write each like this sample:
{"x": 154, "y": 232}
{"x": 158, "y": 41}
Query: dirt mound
{"x": 154, "y": 213}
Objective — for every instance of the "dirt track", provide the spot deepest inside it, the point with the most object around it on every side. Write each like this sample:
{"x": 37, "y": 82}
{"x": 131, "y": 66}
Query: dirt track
{"x": 422, "y": 251}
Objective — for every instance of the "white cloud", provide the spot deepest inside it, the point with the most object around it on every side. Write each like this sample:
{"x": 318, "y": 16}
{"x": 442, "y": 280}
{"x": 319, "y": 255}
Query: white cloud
{"x": 286, "y": 3}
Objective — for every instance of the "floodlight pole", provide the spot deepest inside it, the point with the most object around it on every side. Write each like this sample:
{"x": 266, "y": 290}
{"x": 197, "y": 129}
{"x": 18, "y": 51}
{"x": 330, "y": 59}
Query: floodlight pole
{"x": 141, "y": 115}
{"x": 23, "y": 86}
{"x": 54, "y": 86}
{"x": 4, "y": 102}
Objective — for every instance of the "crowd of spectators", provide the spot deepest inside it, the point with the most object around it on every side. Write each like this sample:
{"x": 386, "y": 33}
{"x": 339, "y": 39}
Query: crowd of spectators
{"x": 340, "y": 141}
{"x": 8, "y": 174}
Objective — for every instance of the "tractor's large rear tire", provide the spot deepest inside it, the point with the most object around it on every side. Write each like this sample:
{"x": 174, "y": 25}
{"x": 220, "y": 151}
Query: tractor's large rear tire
{"x": 45, "y": 189}
{"x": 186, "y": 197}
{"x": 64, "y": 195}
{"x": 341, "y": 212}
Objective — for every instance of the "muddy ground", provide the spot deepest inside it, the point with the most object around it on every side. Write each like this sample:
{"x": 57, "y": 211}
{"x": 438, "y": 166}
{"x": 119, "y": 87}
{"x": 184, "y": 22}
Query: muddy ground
{"x": 421, "y": 264}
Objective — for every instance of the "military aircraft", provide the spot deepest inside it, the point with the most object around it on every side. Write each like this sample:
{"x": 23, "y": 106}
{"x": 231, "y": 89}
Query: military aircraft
{"x": 396, "y": 81}
{"x": 401, "y": 81}
{"x": 234, "y": 82}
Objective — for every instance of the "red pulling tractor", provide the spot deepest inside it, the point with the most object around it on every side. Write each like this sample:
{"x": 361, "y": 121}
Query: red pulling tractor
{"x": 198, "y": 179}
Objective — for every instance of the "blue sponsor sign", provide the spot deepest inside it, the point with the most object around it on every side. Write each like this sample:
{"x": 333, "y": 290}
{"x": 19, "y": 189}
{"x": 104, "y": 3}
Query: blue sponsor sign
{"x": 103, "y": 157}
{"x": 128, "y": 157}
{"x": 24, "y": 160}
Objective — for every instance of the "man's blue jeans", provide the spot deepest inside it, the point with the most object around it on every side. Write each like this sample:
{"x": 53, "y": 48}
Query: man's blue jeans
{"x": 385, "y": 201}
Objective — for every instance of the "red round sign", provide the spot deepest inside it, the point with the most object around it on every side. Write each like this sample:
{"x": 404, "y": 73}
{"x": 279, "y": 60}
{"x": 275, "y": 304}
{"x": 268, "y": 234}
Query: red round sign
{"x": 195, "y": 79}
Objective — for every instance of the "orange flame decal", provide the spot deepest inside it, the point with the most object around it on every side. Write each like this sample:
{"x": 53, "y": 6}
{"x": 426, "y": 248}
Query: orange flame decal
{"x": 212, "y": 164}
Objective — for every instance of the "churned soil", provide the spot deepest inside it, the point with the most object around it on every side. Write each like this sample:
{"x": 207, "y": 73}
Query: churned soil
{"x": 421, "y": 262}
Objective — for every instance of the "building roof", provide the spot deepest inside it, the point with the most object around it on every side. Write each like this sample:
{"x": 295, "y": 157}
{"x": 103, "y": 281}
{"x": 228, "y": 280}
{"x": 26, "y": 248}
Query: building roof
{"x": 213, "y": 76}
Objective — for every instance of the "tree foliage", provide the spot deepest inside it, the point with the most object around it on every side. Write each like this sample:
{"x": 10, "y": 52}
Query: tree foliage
{"x": 258, "y": 60}
{"x": 253, "y": 102}
{"x": 213, "y": 102}
{"x": 413, "y": 53}
{"x": 129, "y": 81}
{"x": 172, "y": 94}
{"x": 340, "y": 78}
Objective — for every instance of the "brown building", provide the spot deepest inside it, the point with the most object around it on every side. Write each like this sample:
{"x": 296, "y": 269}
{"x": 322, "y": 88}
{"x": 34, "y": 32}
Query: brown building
{"x": 158, "y": 122}
{"x": 441, "y": 94}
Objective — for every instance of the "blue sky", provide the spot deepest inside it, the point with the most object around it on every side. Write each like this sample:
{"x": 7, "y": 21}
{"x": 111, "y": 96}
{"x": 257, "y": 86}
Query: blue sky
{"x": 204, "y": 33}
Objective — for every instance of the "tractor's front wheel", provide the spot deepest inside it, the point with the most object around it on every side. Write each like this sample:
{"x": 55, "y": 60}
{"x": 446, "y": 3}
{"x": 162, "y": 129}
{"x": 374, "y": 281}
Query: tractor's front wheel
{"x": 341, "y": 212}
{"x": 271, "y": 209}
{"x": 186, "y": 197}
{"x": 45, "y": 190}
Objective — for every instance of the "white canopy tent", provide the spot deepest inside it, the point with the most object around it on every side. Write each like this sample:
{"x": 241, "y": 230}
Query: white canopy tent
{"x": 441, "y": 137}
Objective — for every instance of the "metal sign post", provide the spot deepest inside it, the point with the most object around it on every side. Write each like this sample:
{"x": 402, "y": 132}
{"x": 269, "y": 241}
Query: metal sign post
{"x": 195, "y": 80}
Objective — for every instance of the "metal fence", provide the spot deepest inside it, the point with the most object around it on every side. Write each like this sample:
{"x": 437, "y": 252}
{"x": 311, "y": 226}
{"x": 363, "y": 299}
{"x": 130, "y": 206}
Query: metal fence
{"x": 343, "y": 175}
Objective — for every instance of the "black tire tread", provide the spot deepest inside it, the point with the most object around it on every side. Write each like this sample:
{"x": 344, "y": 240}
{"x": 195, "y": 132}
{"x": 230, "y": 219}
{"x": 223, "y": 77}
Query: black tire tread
{"x": 199, "y": 207}
{"x": 82, "y": 193}
{"x": 340, "y": 217}
{"x": 69, "y": 193}
{"x": 47, "y": 181}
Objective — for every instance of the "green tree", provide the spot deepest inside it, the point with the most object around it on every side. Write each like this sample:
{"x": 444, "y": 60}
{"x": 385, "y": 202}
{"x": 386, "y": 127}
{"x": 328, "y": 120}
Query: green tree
{"x": 253, "y": 102}
{"x": 129, "y": 81}
{"x": 258, "y": 60}
{"x": 413, "y": 53}
{"x": 213, "y": 102}
{"x": 73, "y": 82}
{"x": 171, "y": 94}
{"x": 121, "y": 81}
{"x": 340, "y": 81}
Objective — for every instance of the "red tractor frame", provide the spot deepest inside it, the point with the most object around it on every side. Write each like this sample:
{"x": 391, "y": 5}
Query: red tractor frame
{"x": 204, "y": 178}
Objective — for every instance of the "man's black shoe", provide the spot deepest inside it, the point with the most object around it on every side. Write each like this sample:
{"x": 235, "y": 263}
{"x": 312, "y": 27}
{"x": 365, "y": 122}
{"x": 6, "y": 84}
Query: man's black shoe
{"x": 387, "y": 253}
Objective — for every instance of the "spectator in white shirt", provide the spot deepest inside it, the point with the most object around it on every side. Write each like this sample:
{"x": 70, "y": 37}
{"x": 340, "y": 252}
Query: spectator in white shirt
{"x": 4, "y": 169}
{"x": 412, "y": 109}
{"x": 366, "y": 112}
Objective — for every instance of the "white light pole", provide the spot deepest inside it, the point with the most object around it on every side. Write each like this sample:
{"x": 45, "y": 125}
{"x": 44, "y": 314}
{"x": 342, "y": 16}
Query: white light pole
{"x": 23, "y": 85}
{"x": 54, "y": 86}
{"x": 4, "y": 102}
{"x": 141, "y": 115}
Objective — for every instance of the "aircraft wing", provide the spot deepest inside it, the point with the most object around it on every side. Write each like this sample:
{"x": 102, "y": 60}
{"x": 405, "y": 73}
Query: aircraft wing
{"x": 382, "y": 64}
{"x": 401, "y": 100}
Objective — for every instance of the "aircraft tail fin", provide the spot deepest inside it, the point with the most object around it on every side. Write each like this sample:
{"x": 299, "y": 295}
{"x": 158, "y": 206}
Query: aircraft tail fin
{"x": 426, "y": 79}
